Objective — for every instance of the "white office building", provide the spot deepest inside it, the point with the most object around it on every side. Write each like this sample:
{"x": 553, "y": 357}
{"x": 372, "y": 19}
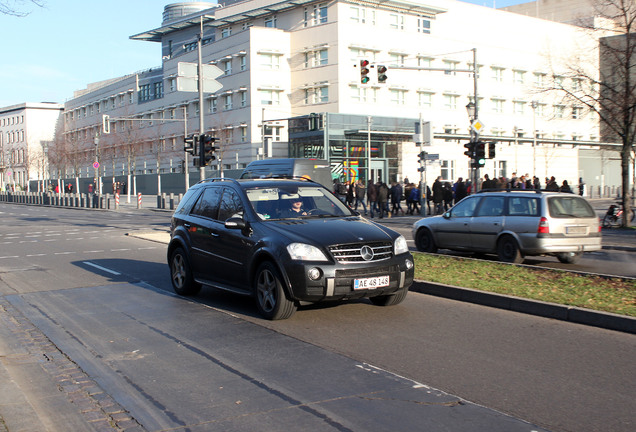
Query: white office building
{"x": 284, "y": 61}
{"x": 26, "y": 130}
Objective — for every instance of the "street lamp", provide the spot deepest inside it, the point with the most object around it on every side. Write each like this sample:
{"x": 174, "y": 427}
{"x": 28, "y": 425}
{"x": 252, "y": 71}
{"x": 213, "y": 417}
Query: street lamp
{"x": 470, "y": 109}
{"x": 534, "y": 104}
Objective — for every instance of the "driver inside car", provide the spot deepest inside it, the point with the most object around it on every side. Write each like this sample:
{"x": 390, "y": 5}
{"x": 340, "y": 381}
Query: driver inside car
{"x": 295, "y": 209}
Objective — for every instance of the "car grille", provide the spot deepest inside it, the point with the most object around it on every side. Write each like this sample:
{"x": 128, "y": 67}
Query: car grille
{"x": 354, "y": 253}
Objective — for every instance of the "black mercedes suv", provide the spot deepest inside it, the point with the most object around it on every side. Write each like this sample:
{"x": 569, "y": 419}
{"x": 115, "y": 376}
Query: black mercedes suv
{"x": 286, "y": 242}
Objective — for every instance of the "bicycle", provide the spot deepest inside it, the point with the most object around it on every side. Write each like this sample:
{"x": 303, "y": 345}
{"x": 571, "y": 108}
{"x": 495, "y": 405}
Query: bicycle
{"x": 614, "y": 215}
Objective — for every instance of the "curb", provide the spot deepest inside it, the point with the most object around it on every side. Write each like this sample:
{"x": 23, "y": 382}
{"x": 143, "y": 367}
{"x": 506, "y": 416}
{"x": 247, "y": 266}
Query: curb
{"x": 532, "y": 307}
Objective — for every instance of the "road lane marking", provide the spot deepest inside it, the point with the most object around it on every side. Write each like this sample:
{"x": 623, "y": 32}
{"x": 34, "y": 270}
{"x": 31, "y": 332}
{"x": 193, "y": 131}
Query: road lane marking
{"x": 63, "y": 253}
{"x": 10, "y": 256}
{"x": 101, "y": 268}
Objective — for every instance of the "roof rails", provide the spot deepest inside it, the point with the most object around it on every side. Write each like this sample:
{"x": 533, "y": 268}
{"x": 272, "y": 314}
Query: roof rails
{"x": 513, "y": 190}
{"x": 214, "y": 179}
{"x": 264, "y": 177}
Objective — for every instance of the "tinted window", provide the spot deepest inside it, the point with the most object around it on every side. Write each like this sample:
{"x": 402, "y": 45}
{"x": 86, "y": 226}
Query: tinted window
{"x": 491, "y": 206}
{"x": 187, "y": 201}
{"x": 208, "y": 204}
{"x": 523, "y": 206}
{"x": 231, "y": 205}
{"x": 465, "y": 208}
{"x": 569, "y": 206}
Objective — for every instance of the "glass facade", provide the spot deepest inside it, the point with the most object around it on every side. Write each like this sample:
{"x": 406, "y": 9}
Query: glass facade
{"x": 343, "y": 139}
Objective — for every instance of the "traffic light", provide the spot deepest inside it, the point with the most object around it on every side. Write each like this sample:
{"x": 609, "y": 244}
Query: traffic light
{"x": 470, "y": 148}
{"x": 191, "y": 144}
{"x": 491, "y": 150}
{"x": 480, "y": 154}
{"x": 422, "y": 157}
{"x": 364, "y": 71}
{"x": 206, "y": 149}
{"x": 381, "y": 74}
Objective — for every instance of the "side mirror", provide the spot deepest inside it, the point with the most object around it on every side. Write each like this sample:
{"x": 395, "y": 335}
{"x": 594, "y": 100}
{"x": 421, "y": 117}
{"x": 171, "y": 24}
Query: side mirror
{"x": 447, "y": 215}
{"x": 235, "y": 223}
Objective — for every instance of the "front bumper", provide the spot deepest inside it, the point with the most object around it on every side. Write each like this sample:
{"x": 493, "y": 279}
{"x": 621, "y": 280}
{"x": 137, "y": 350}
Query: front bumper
{"x": 336, "y": 281}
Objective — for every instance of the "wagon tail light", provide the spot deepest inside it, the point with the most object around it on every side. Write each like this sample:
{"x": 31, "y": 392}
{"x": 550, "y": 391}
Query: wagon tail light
{"x": 544, "y": 226}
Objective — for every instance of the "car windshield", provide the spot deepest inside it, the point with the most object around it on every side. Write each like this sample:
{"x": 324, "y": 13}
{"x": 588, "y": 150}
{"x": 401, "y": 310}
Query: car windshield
{"x": 291, "y": 202}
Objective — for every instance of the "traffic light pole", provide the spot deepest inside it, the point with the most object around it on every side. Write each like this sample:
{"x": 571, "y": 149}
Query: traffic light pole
{"x": 200, "y": 86}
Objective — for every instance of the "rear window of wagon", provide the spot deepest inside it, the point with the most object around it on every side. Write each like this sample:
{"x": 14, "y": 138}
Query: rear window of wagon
{"x": 569, "y": 207}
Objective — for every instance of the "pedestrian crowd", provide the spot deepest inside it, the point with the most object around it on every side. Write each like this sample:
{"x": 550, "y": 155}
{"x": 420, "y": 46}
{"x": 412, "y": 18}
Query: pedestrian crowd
{"x": 385, "y": 200}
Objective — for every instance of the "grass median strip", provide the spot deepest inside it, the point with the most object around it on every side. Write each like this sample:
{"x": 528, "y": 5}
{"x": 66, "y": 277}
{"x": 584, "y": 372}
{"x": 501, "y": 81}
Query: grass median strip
{"x": 615, "y": 295}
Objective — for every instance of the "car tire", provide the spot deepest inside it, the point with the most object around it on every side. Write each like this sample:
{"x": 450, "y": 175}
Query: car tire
{"x": 270, "y": 295}
{"x": 424, "y": 241}
{"x": 181, "y": 274}
{"x": 569, "y": 257}
{"x": 508, "y": 250}
{"x": 390, "y": 300}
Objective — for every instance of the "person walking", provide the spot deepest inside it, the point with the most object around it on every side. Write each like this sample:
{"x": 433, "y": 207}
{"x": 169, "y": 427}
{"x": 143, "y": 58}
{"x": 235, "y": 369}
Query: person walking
{"x": 372, "y": 197}
{"x": 383, "y": 197}
{"x": 396, "y": 198}
{"x": 360, "y": 192}
{"x": 438, "y": 195}
{"x": 414, "y": 198}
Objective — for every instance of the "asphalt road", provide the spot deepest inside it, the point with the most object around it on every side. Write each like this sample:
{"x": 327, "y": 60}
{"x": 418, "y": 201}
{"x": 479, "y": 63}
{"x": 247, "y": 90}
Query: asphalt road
{"x": 104, "y": 299}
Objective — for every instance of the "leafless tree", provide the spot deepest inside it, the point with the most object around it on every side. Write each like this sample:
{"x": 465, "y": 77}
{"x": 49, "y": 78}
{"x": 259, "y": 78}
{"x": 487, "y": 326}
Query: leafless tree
{"x": 16, "y": 7}
{"x": 609, "y": 90}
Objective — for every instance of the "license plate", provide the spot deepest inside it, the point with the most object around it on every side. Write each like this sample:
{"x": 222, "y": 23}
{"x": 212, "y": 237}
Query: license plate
{"x": 576, "y": 230}
{"x": 371, "y": 283}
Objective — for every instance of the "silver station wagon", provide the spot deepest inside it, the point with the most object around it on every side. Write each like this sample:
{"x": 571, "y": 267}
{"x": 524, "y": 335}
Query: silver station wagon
{"x": 514, "y": 224}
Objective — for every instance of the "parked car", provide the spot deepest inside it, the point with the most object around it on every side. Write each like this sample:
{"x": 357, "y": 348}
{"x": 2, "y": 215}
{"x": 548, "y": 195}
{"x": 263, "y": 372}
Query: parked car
{"x": 514, "y": 224}
{"x": 245, "y": 236}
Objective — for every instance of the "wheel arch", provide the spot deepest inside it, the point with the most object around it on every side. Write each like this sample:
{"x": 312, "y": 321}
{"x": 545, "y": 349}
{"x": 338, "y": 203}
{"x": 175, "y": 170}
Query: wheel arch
{"x": 259, "y": 258}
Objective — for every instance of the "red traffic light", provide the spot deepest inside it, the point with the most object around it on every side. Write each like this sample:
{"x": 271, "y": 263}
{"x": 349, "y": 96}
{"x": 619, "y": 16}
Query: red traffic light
{"x": 364, "y": 71}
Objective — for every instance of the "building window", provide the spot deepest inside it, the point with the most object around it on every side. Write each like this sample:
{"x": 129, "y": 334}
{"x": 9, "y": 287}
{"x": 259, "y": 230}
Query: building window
{"x": 519, "y": 107}
{"x": 227, "y": 67}
{"x": 450, "y": 101}
{"x": 269, "y": 61}
{"x": 243, "y": 99}
{"x": 243, "y": 134}
{"x": 450, "y": 67}
{"x": 190, "y": 46}
{"x": 396, "y": 59}
{"x": 144, "y": 92}
{"x": 559, "y": 111}
{"x": 398, "y": 97}
{"x": 242, "y": 63}
{"x": 227, "y": 102}
{"x": 518, "y": 77}
{"x": 226, "y": 32}
{"x": 361, "y": 54}
{"x": 423, "y": 25}
{"x": 497, "y": 105}
{"x": 577, "y": 112}
{"x": 364, "y": 94}
{"x": 447, "y": 169}
{"x": 316, "y": 95}
{"x": 158, "y": 87}
{"x": 212, "y": 105}
{"x": 316, "y": 58}
{"x": 425, "y": 99}
{"x": 539, "y": 79}
{"x": 396, "y": 21}
{"x": 270, "y": 21}
{"x": 269, "y": 97}
{"x": 424, "y": 62}
{"x": 320, "y": 13}
{"x": 497, "y": 74}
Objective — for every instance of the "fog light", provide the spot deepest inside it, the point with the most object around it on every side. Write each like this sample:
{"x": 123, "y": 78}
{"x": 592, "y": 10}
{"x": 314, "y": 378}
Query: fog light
{"x": 409, "y": 264}
{"x": 314, "y": 273}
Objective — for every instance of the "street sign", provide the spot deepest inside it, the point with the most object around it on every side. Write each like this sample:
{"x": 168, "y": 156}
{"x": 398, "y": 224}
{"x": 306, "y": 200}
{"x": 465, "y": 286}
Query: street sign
{"x": 477, "y": 126}
{"x": 432, "y": 156}
{"x": 187, "y": 77}
{"x": 422, "y": 136}
{"x": 95, "y": 164}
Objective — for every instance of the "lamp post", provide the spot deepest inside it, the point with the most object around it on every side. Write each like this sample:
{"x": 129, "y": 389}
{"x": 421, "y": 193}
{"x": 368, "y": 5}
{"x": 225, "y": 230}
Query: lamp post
{"x": 534, "y": 104}
{"x": 471, "y": 109}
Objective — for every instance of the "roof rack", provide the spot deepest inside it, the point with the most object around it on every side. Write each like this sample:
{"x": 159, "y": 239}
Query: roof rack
{"x": 513, "y": 190}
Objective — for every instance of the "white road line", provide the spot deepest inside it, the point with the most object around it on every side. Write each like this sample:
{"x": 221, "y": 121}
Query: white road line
{"x": 119, "y": 250}
{"x": 35, "y": 255}
{"x": 93, "y": 251}
{"x": 63, "y": 253}
{"x": 101, "y": 268}
{"x": 11, "y": 256}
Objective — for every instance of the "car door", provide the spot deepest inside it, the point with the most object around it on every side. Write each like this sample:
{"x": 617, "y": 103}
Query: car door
{"x": 487, "y": 223}
{"x": 454, "y": 228}
{"x": 232, "y": 246}
{"x": 204, "y": 230}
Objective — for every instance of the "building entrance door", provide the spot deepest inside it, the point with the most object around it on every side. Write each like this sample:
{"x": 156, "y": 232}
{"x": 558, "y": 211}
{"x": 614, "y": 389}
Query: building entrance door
{"x": 378, "y": 170}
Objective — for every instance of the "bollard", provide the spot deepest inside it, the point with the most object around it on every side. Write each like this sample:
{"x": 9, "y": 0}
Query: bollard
{"x": 116, "y": 200}
{"x": 139, "y": 200}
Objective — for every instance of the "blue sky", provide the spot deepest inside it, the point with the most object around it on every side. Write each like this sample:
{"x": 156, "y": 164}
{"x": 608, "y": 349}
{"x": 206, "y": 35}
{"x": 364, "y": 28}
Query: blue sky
{"x": 68, "y": 44}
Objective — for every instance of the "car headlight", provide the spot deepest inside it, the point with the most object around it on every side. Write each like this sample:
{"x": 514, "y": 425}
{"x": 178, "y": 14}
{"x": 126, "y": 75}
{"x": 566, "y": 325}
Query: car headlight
{"x": 305, "y": 252}
{"x": 400, "y": 245}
